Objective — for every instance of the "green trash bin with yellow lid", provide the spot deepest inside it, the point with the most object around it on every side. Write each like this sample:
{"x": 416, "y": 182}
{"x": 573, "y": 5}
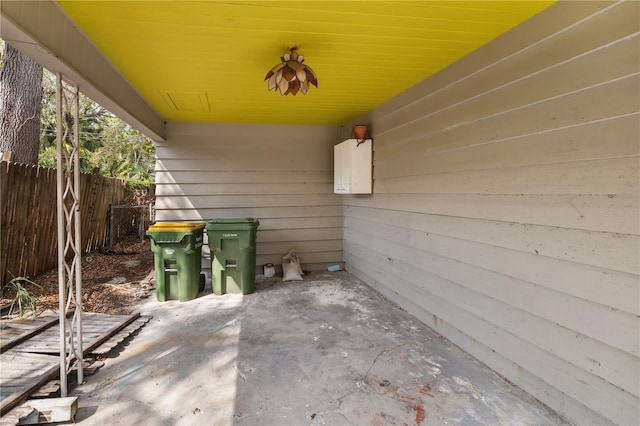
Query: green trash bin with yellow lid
{"x": 177, "y": 249}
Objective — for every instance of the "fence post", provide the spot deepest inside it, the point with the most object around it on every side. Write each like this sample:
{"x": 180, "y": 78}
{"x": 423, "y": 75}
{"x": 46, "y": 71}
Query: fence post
{"x": 110, "y": 232}
{"x": 141, "y": 224}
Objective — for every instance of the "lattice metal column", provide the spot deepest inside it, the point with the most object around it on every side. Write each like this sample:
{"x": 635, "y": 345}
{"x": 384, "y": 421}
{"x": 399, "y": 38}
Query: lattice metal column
{"x": 69, "y": 238}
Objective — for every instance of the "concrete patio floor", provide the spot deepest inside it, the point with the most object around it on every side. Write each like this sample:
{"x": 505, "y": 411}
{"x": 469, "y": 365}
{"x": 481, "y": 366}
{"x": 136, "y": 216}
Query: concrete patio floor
{"x": 327, "y": 350}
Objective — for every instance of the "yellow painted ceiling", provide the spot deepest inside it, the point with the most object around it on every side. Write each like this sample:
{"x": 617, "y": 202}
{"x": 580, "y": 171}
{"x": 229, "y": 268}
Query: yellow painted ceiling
{"x": 206, "y": 61}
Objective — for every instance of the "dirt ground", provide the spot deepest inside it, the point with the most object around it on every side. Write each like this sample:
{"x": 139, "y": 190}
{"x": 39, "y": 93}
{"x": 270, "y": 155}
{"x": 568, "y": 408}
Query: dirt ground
{"x": 114, "y": 280}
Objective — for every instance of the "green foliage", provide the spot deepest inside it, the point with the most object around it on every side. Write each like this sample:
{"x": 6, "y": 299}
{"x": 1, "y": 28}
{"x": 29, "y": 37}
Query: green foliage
{"x": 23, "y": 299}
{"x": 129, "y": 155}
{"x": 108, "y": 145}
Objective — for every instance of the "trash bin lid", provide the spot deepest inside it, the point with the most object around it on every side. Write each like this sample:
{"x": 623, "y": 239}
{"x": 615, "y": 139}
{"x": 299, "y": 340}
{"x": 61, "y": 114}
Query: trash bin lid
{"x": 224, "y": 220}
{"x": 177, "y": 226}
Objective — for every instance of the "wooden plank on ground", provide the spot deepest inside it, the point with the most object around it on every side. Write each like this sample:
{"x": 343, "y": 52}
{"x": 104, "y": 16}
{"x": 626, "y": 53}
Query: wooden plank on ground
{"x": 24, "y": 372}
{"x": 51, "y": 410}
{"x": 117, "y": 338}
{"x": 13, "y": 417}
{"x": 15, "y": 332}
{"x": 47, "y": 389}
{"x": 18, "y": 383}
{"x": 97, "y": 328}
{"x": 110, "y": 332}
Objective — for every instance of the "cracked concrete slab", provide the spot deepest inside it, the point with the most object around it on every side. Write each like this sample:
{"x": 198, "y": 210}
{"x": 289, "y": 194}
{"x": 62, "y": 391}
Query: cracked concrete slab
{"x": 328, "y": 350}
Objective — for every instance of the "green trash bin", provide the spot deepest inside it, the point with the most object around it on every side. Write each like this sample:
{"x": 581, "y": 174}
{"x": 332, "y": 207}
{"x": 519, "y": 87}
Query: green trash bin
{"x": 177, "y": 248}
{"x": 232, "y": 242}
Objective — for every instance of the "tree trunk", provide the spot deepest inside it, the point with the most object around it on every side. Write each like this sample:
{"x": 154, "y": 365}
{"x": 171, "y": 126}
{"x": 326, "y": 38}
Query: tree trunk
{"x": 20, "y": 99}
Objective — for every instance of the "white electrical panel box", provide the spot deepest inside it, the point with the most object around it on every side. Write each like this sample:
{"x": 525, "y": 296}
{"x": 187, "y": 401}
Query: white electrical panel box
{"x": 352, "y": 167}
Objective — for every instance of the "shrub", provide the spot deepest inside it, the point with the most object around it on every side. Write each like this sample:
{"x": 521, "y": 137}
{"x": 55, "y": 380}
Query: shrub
{"x": 23, "y": 299}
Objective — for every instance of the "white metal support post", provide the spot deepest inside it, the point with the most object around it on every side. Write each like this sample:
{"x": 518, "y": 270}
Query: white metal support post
{"x": 69, "y": 238}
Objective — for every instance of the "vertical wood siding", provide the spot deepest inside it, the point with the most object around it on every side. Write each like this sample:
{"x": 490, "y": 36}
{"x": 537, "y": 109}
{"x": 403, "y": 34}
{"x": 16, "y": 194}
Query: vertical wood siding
{"x": 505, "y": 207}
{"x": 282, "y": 175}
{"x": 28, "y": 217}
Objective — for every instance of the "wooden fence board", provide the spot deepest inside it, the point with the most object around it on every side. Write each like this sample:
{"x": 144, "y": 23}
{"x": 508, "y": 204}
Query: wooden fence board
{"x": 29, "y": 227}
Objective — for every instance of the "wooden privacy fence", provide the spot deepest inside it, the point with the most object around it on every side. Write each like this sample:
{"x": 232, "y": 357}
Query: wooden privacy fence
{"x": 28, "y": 225}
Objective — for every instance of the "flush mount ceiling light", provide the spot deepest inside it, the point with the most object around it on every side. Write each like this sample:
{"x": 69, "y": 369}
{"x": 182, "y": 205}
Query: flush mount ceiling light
{"x": 291, "y": 75}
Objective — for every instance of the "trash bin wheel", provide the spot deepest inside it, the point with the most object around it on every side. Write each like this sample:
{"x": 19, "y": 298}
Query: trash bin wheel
{"x": 201, "y": 282}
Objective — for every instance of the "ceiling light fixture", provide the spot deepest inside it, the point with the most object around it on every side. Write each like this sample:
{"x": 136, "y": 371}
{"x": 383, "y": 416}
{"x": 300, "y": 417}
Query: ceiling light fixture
{"x": 291, "y": 75}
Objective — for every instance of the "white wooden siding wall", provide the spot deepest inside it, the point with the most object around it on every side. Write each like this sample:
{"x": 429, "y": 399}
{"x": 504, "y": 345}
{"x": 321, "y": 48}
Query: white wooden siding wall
{"x": 505, "y": 208}
{"x": 282, "y": 175}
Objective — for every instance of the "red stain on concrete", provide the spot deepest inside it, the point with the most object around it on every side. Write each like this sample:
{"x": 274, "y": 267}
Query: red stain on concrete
{"x": 420, "y": 416}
